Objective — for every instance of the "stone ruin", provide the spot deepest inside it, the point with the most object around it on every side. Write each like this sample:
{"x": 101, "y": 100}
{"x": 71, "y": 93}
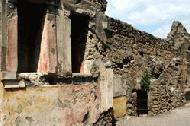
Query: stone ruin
{"x": 65, "y": 63}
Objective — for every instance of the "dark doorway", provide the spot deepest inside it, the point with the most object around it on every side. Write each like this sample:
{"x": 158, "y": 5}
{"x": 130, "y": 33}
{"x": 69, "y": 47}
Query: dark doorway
{"x": 187, "y": 96}
{"x": 31, "y": 19}
{"x": 142, "y": 102}
{"x": 79, "y": 30}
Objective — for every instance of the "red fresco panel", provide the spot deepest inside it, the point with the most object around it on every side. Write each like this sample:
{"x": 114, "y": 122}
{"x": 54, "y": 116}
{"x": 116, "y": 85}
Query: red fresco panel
{"x": 11, "y": 55}
{"x": 48, "y": 53}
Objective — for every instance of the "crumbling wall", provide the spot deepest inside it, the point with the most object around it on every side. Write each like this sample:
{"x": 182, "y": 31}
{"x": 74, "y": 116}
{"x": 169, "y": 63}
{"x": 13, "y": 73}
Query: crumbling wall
{"x": 168, "y": 91}
{"x": 64, "y": 105}
{"x": 123, "y": 50}
{"x": 132, "y": 52}
{"x": 86, "y": 5}
{"x": 51, "y": 100}
{"x": 53, "y": 97}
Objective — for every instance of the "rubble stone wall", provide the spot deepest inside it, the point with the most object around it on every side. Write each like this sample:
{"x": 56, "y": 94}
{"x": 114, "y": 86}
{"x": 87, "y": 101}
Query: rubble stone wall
{"x": 133, "y": 52}
{"x": 85, "y": 5}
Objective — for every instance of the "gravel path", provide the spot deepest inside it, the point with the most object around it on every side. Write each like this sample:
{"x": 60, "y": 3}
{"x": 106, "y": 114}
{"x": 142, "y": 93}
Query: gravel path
{"x": 177, "y": 117}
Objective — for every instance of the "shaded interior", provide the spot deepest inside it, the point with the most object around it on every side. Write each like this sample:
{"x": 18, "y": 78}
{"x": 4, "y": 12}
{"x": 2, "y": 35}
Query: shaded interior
{"x": 31, "y": 19}
{"x": 187, "y": 96}
{"x": 79, "y": 29}
{"x": 142, "y": 102}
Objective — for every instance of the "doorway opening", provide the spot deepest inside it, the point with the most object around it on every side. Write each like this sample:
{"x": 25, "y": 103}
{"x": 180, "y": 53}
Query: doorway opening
{"x": 79, "y": 30}
{"x": 142, "y": 102}
{"x": 187, "y": 96}
{"x": 31, "y": 18}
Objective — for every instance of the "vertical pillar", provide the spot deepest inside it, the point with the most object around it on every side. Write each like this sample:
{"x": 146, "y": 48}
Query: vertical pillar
{"x": 63, "y": 24}
{"x": 119, "y": 99}
{"x": 1, "y": 85}
{"x": 188, "y": 66}
{"x": 11, "y": 56}
{"x": 48, "y": 52}
{"x": 52, "y": 43}
{"x": 1, "y": 29}
{"x": 9, "y": 39}
{"x": 106, "y": 87}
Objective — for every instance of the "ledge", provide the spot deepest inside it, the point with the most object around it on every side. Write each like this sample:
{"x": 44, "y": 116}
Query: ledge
{"x": 75, "y": 78}
{"x": 14, "y": 83}
{"x": 24, "y": 80}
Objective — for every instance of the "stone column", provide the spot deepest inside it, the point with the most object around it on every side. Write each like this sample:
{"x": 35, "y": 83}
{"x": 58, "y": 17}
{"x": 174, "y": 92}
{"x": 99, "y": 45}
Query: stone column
{"x": 48, "y": 52}
{"x": 106, "y": 87}
{"x": 9, "y": 39}
{"x": 63, "y": 24}
{"x": 119, "y": 96}
{"x": 1, "y": 35}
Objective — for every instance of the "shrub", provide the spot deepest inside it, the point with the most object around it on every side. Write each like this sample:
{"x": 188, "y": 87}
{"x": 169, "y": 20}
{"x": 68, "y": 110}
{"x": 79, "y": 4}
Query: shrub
{"x": 145, "y": 81}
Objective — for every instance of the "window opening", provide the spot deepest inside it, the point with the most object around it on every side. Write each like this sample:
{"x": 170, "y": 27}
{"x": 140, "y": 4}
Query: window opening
{"x": 79, "y": 30}
{"x": 31, "y": 18}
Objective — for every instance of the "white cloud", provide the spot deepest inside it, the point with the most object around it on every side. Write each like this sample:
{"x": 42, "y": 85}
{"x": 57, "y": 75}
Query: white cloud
{"x": 150, "y": 12}
{"x": 162, "y": 31}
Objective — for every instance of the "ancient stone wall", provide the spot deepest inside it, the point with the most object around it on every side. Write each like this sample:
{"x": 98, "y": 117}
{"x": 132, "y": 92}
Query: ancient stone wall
{"x": 169, "y": 91}
{"x": 132, "y": 52}
{"x": 54, "y": 94}
{"x": 52, "y": 105}
{"x": 48, "y": 100}
{"x": 0, "y": 31}
{"x": 113, "y": 59}
{"x": 86, "y": 5}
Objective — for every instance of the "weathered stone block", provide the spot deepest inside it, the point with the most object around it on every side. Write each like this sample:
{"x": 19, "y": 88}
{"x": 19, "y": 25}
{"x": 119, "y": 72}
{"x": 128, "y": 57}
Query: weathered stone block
{"x": 86, "y": 67}
{"x": 119, "y": 106}
{"x": 119, "y": 86}
{"x": 106, "y": 87}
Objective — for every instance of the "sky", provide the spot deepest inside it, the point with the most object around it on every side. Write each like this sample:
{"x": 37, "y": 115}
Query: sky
{"x": 152, "y": 16}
